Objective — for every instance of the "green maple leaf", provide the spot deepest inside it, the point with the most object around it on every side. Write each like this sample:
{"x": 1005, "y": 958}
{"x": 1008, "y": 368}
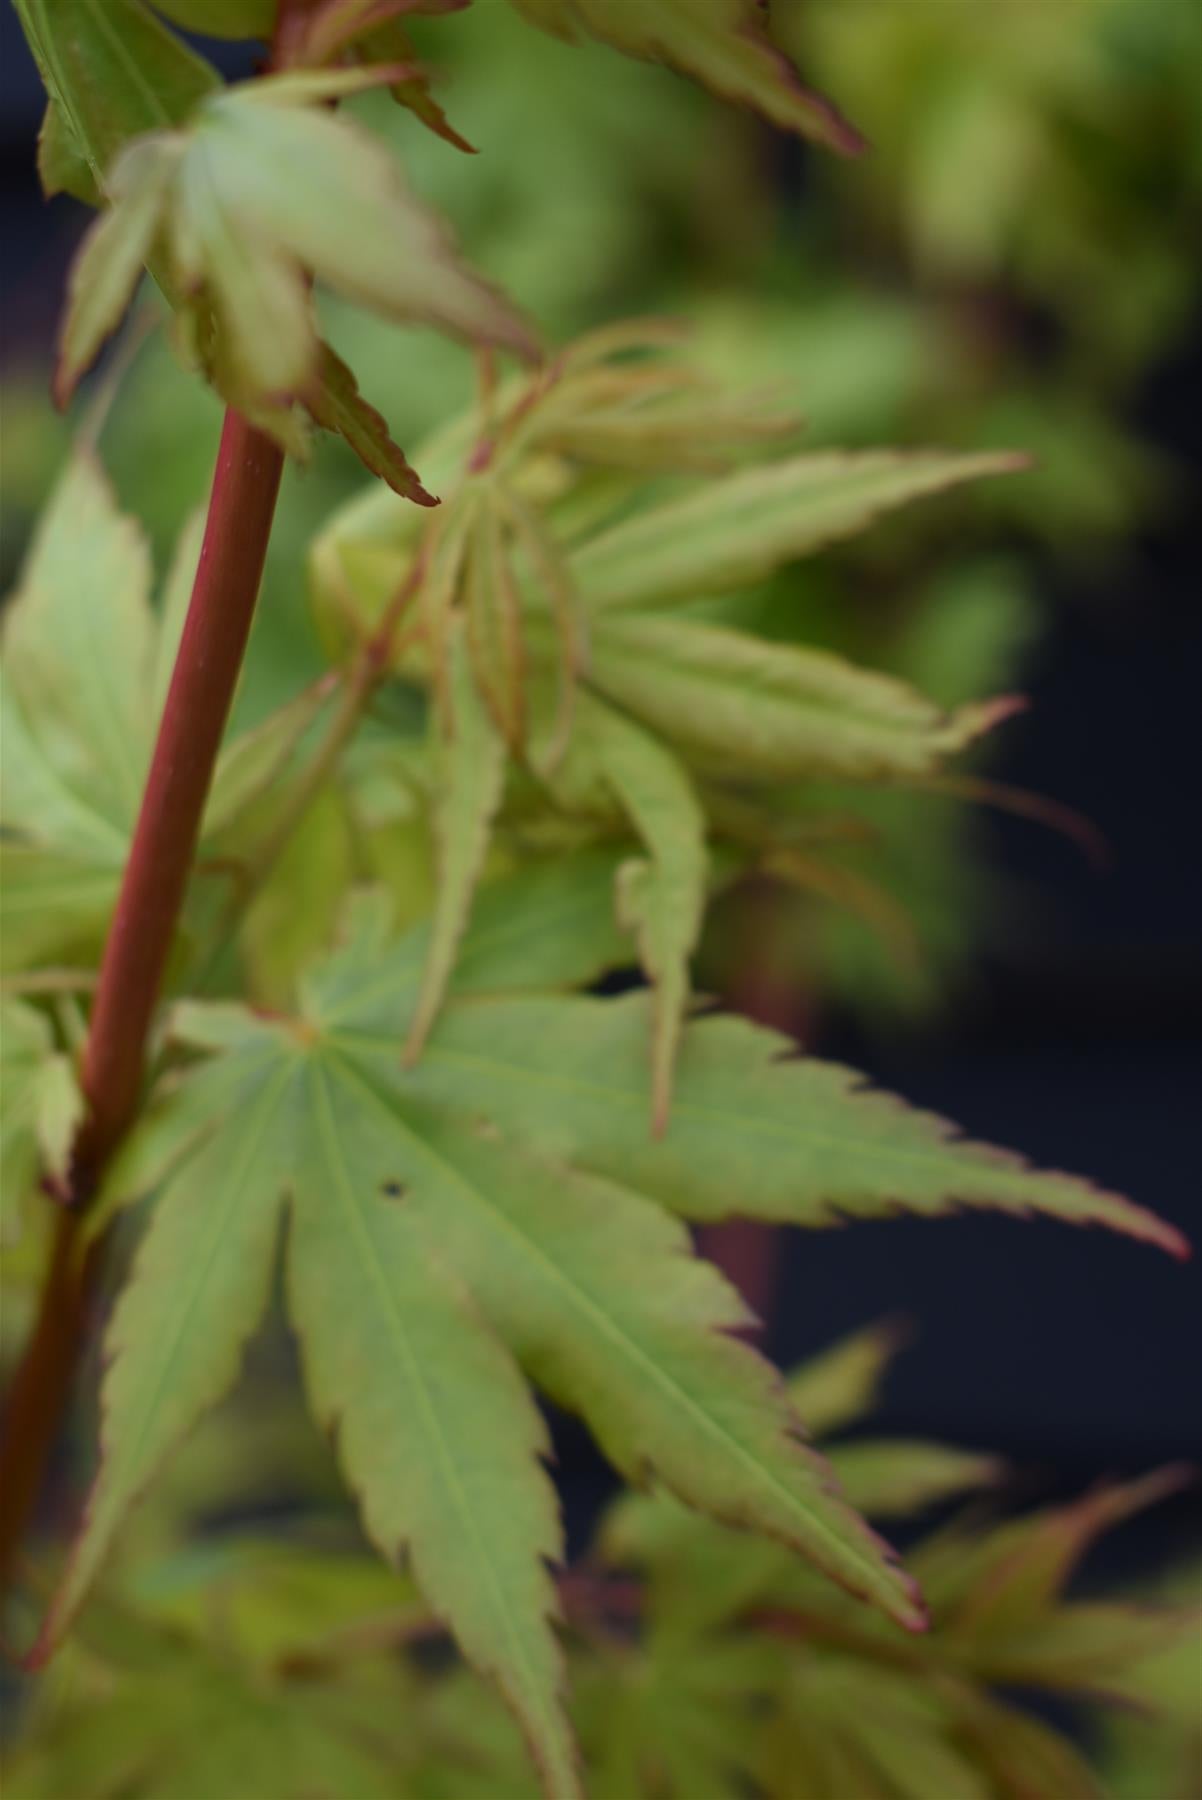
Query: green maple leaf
{"x": 112, "y": 71}
{"x": 723, "y": 43}
{"x": 84, "y": 671}
{"x": 589, "y": 1287}
{"x": 397, "y": 1176}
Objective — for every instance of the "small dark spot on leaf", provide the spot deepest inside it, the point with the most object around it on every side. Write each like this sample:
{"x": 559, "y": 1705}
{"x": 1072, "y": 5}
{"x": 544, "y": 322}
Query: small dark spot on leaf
{"x": 393, "y": 1190}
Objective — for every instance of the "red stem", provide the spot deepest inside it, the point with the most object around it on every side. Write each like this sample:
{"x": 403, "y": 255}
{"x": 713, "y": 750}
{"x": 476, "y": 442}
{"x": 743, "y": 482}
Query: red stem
{"x": 241, "y": 509}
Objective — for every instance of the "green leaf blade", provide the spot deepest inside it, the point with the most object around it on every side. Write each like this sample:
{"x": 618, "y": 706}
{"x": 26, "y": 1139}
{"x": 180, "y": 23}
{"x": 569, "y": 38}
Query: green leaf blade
{"x": 737, "y": 529}
{"x": 471, "y": 759}
{"x": 723, "y": 43}
{"x": 756, "y": 1131}
{"x": 661, "y": 899}
{"x": 197, "y": 1292}
{"x": 110, "y": 260}
{"x": 737, "y": 705}
{"x": 114, "y": 71}
{"x": 436, "y": 1429}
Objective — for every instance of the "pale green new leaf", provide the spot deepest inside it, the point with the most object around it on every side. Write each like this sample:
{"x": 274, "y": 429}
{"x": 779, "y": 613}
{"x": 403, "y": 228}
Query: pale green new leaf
{"x": 739, "y": 528}
{"x": 78, "y": 639}
{"x": 741, "y": 706}
{"x": 660, "y": 898}
{"x": 755, "y": 1129}
{"x": 84, "y": 673}
{"x": 109, "y": 262}
{"x": 470, "y": 756}
{"x": 319, "y": 189}
{"x": 724, "y": 43}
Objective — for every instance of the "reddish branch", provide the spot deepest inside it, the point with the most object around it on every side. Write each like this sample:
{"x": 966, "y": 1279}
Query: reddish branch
{"x": 241, "y": 509}
{"x": 210, "y": 655}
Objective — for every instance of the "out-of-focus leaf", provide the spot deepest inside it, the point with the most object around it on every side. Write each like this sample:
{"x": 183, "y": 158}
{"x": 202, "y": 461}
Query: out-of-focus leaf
{"x": 872, "y": 1726}
{"x": 891, "y": 1478}
{"x": 85, "y": 670}
{"x": 1022, "y": 1755}
{"x": 109, "y": 263}
{"x": 721, "y": 42}
{"x": 226, "y": 197}
{"x": 62, "y": 166}
{"x": 839, "y": 1385}
{"x": 389, "y": 42}
{"x": 774, "y": 711}
{"x": 987, "y": 1584}
{"x": 113, "y": 71}
{"x": 221, "y": 18}
{"x": 677, "y": 1718}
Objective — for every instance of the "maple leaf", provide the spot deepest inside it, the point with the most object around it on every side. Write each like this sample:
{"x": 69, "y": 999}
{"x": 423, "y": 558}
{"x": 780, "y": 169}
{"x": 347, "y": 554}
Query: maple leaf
{"x": 722, "y": 42}
{"x": 589, "y": 1286}
{"x": 83, "y": 672}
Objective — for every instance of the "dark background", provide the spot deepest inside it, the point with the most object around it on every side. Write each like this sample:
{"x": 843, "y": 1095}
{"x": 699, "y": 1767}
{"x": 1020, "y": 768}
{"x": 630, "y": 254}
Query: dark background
{"x": 1075, "y": 1354}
